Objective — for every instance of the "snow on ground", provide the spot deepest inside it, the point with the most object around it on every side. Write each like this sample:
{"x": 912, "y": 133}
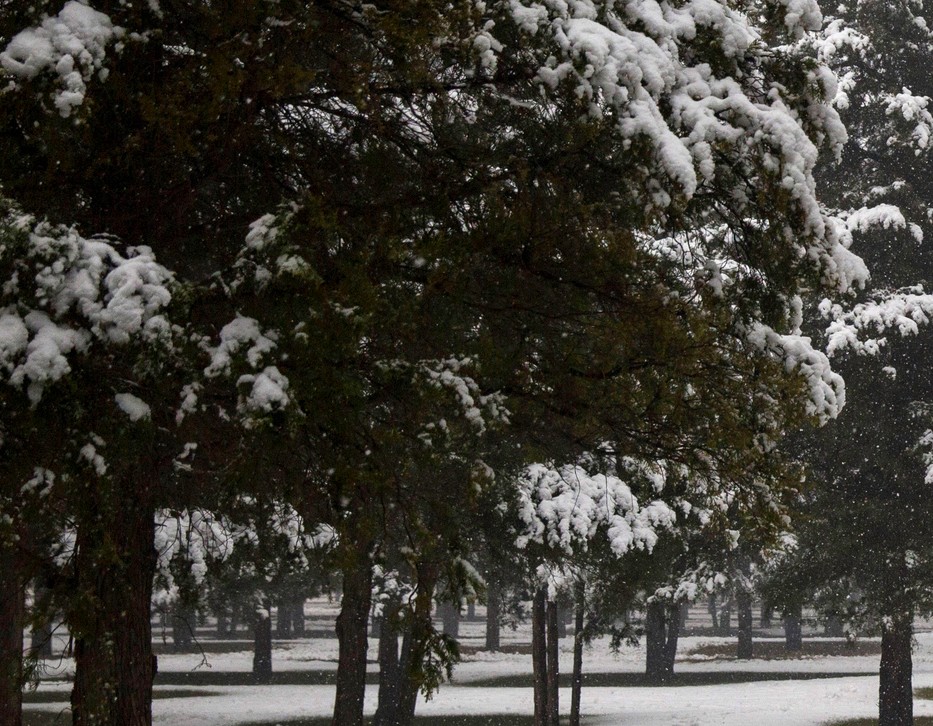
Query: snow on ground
{"x": 763, "y": 702}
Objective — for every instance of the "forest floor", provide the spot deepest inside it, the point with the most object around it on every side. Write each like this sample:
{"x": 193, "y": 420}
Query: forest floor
{"x": 829, "y": 683}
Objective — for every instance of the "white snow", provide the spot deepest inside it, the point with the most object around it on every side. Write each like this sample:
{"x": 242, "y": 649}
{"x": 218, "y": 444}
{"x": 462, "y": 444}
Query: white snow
{"x": 135, "y": 408}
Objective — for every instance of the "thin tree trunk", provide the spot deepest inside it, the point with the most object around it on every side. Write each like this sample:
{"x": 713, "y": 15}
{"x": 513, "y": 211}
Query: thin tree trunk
{"x": 684, "y": 615}
{"x": 553, "y": 667}
{"x": 493, "y": 604}
{"x": 116, "y": 559}
{"x": 793, "y": 635}
{"x": 298, "y": 617}
{"x": 183, "y": 622}
{"x": 283, "y": 614}
{"x": 414, "y": 654}
{"x": 12, "y": 621}
{"x": 450, "y": 619}
{"x": 389, "y": 667}
{"x": 744, "y": 602}
{"x": 40, "y": 637}
{"x": 670, "y": 643}
{"x": 577, "y": 684}
{"x": 711, "y": 608}
{"x": 833, "y": 627}
{"x": 539, "y": 654}
{"x": 471, "y": 611}
{"x": 895, "y": 692}
{"x": 353, "y": 642}
{"x": 262, "y": 646}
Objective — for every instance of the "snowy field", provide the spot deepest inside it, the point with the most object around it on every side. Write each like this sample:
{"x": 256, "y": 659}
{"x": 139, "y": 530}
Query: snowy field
{"x": 773, "y": 692}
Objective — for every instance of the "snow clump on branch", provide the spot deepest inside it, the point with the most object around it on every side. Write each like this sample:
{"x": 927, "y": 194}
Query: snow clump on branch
{"x": 72, "y": 45}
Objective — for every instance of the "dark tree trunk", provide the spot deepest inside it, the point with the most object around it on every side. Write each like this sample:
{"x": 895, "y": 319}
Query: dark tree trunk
{"x": 471, "y": 611}
{"x": 655, "y": 642}
{"x": 12, "y": 621}
{"x": 793, "y": 635}
{"x": 389, "y": 667}
{"x": 222, "y": 624}
{"x": 493, "y": 605}
{"x": 711, "y": 609}
{"x": 352, "y": 638}
{"x": 262, "y": 647}
{"x": 40, "y": 637}
{"x": 895, "y": 693}
{"x": 670, "y": 643}
{"x": 298, "y": 617}
{"x": 539, "y": 654}
{"x": 766, "y": 613}
{"x": 115, "y": 564}
{"x": 183, "y": 622}
{"x": 744, "y": 604}
{"x": 833, "y": 627}
{"x": 553, "y": 666}
{"x": 416, "y": 646}
{"x": 684, "y": 615}
{"x": 283, "y": 623}
{"x": 577, "y": 684}
{"x": 725, "y": 619}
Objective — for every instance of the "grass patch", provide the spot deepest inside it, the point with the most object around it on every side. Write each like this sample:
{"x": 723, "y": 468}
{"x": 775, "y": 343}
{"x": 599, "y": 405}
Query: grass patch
{"x": 47, "y": 718}
{"x": 775, "y": 650}
{"x": 918, "y": 721}
{"x": 925, "y": 693}
{"x": 617, "y": 680}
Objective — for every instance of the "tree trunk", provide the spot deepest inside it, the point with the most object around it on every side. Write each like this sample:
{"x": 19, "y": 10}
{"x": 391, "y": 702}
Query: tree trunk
{"x": 262, "y": 646}
{"x": 744, "y": 603}
{"x": 553, "y": 666}
{"x": 115, "y": 564}
{"x": 833, "y": 627}
{"x": 12, "y": 621}
{"x": 670, "y": 643}
{"x": 766, "y": 612}
{"x": 389, "y": 667}
{"x": 655, "y": 642}
{"x": 539, "y": 654}
{"x": 183, "y": 622}
{"x": 711, "y": 609}
{"x": 793, "y": 635}
{"x": 725, "y": 619}
{"x": 450, "y": 618}
{"x": 895, "y": 693}
{"x": 416, "y": 650}
{"x": 493, "y": 604}
{"x": 471, "y": 611}
{"x": 40, "y": 637}
{"x": 352, "y": 638}
{"x": 222, "y": 625}
{"x": 684, "y": 615}
{"x": 298, "y": 617}
{"x": 577, "y": 683}
{"x": 283, "y": 624}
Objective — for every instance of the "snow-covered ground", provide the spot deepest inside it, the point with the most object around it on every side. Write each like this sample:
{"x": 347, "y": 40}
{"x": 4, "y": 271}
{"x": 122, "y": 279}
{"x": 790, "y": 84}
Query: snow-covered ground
{"x": 764, "y": 702}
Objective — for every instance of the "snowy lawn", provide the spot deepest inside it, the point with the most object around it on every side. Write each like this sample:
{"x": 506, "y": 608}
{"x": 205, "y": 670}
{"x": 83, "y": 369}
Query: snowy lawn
{"x": 828, "y": 684}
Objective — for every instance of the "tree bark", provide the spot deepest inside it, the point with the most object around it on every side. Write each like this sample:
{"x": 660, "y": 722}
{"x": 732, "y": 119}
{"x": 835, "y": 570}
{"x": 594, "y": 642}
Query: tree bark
{"x": 833, "y": 627}
{"x": 353, "y": 642}
{"x": 416, "y": 650}
{"x": 450, "y": 618}
{"x": 553, "y": 667}
{"x": 744, "y": 602}
{"x": 389, "y": 667}
{"x": 539, "y": 654}
{"x": 493, "y": 605}
{"x": 262, "y": 646}
{"x": 298, "y": 617}
{"x": 115, "y": 563}
{"x": 183, "y": 622}
{"x": 670, "y": 643}
{"x": 283, "y": 623}
{"x": 576, "y": 691}
{"x": 40, "y": 637}
{"x": 793, "y": 635}
{"x": 12, "y": 621}
{"x": 895, "y": 692}
{"x": 655, "y": 642}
